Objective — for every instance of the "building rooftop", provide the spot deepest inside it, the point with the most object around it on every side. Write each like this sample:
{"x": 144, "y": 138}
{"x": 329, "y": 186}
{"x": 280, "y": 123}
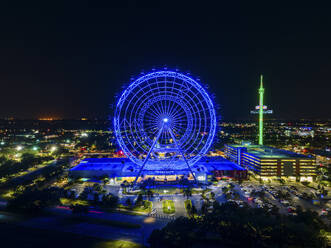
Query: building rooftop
{"x": 270, "y": 152}
{"x": 125, "y": 167}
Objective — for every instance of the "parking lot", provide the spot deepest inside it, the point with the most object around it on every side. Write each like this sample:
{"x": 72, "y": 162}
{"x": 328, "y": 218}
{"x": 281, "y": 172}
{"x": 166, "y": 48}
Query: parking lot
{"x": 272, "y": 197}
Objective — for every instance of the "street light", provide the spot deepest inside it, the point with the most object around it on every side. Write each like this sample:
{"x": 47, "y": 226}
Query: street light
{"x": 34, "y": 148}
{"x": 19, "y": 148}
{"x": 53, "y": 148}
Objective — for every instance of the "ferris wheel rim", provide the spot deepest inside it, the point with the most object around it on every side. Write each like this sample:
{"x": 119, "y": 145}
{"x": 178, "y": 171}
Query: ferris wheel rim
{"x": 186, "y": 80}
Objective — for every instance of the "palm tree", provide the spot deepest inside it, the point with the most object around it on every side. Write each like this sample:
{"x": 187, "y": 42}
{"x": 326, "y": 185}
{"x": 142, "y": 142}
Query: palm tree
{"x": 187, "y": 192}
{"x": 149, "y": 194}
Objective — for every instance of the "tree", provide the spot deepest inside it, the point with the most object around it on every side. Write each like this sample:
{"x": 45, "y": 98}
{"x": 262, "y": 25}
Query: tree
{"x": 212, "y": 195}
{"x": 204, "y": 208}
{"x": 84, "y": 194}
{"x": 110, "y": 201}
{"x": 96, "y": 197}
{"x": 225, "y": 190}
{"x": 146, "y": 204}
{"x": 149, "y": 193}
{"x": 128, "y": 202}
{"x": 97, "y": 187}
{"x": 33, "y": 200}
{"x": 193, "y": 210}
{"x": 105, "y": 179}
{"x": 274, "y": 210}
{"x": 231, "y": 226}
{"x": 139, "y": 201}
{"x": 187, "y": 192}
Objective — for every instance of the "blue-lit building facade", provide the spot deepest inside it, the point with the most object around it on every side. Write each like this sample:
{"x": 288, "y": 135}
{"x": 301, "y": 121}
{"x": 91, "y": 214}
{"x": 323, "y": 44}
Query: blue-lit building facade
{"x": 271, "y": 162}
{"x": 119, "y": 170}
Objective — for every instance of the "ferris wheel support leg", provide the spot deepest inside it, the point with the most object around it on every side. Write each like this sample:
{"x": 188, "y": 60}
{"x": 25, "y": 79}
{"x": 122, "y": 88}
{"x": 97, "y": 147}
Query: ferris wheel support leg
{"x": 174, "y": 138}
{"x": 148, "y": 155}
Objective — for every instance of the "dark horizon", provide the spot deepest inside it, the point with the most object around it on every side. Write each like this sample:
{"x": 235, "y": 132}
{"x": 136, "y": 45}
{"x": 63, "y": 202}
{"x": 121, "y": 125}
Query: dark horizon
{"x": 71, "y": 62}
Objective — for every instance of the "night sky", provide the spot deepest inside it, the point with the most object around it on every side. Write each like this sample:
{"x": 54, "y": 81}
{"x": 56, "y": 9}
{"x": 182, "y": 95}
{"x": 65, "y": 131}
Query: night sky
{"x": 70, "y": 61}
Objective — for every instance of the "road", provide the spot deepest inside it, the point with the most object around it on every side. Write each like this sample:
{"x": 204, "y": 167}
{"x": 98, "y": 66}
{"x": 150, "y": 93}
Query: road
{"x": 60, "y": 219}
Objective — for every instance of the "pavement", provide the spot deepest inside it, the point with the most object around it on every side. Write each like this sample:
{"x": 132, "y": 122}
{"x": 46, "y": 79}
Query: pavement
{"x": 60, "y": 219}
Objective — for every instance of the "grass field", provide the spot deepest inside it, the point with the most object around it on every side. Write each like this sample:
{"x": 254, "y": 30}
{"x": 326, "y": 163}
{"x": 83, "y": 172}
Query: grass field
{"x": 118, "y": 244}
{"x": 168, "y": 207}
{"x": 68, "y": 202}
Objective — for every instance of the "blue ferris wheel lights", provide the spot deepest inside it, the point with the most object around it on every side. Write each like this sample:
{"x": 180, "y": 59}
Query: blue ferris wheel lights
{"x": 171, "y": 98}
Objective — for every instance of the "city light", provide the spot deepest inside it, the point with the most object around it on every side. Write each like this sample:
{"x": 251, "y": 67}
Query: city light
{"x": 19, "y": 148}
{"x": 53, "y": 148}
{"x": 84, "y": 135}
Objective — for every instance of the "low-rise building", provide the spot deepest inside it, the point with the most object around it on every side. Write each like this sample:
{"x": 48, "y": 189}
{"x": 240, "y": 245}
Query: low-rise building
{"x": 123, "y": 169}
{"x": 271, "y": 162}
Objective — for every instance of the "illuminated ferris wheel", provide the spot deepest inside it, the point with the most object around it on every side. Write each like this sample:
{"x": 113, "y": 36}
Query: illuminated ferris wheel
{"x": 164, "y": 121}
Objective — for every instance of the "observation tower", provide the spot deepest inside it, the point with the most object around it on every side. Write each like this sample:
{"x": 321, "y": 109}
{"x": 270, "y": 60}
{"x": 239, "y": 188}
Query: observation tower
{"x": 261, "y": 110}
{"x": 261, "y": 94}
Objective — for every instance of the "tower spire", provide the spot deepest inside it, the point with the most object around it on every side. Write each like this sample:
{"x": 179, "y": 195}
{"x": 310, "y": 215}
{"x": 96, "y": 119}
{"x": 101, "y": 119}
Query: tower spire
{"x": 261, "y": 81}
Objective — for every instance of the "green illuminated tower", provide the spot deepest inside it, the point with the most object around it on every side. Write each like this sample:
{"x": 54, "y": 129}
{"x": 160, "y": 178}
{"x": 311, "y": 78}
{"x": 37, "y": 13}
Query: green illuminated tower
{"x": 261, "y": 93}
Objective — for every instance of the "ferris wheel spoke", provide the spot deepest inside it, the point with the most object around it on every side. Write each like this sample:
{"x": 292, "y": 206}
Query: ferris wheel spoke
{"x": 157, "y": 107}
{"x": 151, "y": 126}
{"x": 175, "y": 109}
{"x": 180, "y": 125}
{"x": 167, "y": 107}
{"x": 151, "y": 113}
{"x": 180, "y": 116}
{"x": 171, "y": 105}
{"x": 166, "y": 103}
{"x": 154, "y": 96}
{"x": 164, "y": 106}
